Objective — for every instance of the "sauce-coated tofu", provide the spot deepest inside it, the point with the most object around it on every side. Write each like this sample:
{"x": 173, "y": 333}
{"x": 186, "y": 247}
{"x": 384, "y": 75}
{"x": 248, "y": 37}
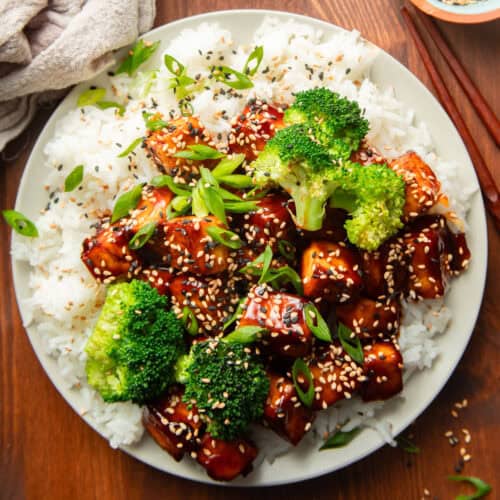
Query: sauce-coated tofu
{"x": 422, "y": 187}
{"x": 225, "y": 460}
{"x": 331, "y": 271}
{"x": 383, "y": 367}
{"x": 368, "y": 318}
{"x": 284, "y": 412}
{"x": 283, "y": 316}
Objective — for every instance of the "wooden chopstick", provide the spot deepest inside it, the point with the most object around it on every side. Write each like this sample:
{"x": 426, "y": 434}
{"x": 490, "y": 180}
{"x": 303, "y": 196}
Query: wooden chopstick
{"x": 486, "y": 181}
{"x": 482, "y": 108}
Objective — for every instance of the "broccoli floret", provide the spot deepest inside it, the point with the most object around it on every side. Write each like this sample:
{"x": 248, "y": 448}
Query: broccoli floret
{"x": 227, "y": 384}
{"x": 374, "y": 196}
{"x": 135, "y": 344}
{"x": 337, "y": 122}
{"x": 295, "y": 161}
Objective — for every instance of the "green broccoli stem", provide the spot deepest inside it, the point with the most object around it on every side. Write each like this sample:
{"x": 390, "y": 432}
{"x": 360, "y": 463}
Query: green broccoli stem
{"x": 309, "y": 212}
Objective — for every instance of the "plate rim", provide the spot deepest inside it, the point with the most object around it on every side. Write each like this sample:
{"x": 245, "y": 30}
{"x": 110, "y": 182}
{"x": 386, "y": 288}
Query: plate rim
{"x": 44, "y": 358}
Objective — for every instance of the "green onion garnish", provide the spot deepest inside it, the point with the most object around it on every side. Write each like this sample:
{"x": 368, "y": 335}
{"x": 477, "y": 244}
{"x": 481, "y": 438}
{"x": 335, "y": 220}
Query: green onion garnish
{"x": 130, "y": 147}
{"x": 238, "y": 181}
{"x": 228, "y": 165}
{"x": 74, "y": 179}
{"x": 139, "y": 54}
{"x": 199, "y": 152}
{"x": 20, "y": 223}
{"x": 240, "y": 207}
{"x": 90, "y": 97}
{"x": 340, "y": 439}
{"x": 126, "y": 202}
{"x": 173, "y": 65}
{"x": 236, "y": 315}
{"x": 253, "y": 62}
{"x": 260, "y": 265}
{"x": 225, "y": 237}
{"x": 186, "y": 108}
{"x": 316, "y": 323}
{"x": 350, "y": 343}
{"x": 406, "y": 445}
{"x": 111, "y": 104}
{"x": 178, "y": 206}
{"x": 287, "y": 250}
{"x": 482, "y": 487}
{"x": 244, "y": 335}
{"x": 189, "y": 320}
{"x": 167, "y": 181}
{"x": 153, "y": 124}
{"x": 231, "y": 77}
{"x": 142, "y": 236}
{"x": 301, "y": 374}
{"x": 282, "y": 275}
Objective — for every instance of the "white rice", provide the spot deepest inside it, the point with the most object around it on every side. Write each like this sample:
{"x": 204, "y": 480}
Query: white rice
{"x": 66, "y": 301}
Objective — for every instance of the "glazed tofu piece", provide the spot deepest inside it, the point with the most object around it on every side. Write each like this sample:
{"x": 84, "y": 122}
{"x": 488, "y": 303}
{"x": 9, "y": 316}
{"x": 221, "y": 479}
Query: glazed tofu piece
{"x": 164, "y": 143}
{"x": 212, "y": 300}
{"x": 174, "y": 426}
{"x": 428, "y": 264}
{"x": 331, "y": 271}
{"x": 283, "y": 316}
{"x": 270, "y": 224}
{"x": 255, "y": 125}
{"x": 284, "y": 412}
{"x": 422, "y": 187}
{"x": 184, "y": 244}
{"x": 335, "y": 376}
{"x": 107, "y": 255}
{"x": 158, "y": 277}
{"x": 383, "y": 367}
{"x": 152, "y": 207}
{"x": 371, "y": 319}
{"x": 225, "y": 460}
{"x": 385, "y": 271}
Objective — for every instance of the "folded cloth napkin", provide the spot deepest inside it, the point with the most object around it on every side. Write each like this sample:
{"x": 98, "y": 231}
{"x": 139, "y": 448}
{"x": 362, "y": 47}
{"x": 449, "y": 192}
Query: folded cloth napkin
{"x": 49, "y": 45}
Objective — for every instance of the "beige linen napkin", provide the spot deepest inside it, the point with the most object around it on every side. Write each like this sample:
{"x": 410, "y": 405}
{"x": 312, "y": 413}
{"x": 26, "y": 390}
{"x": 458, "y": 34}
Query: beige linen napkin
{"x": 48, "y": 45}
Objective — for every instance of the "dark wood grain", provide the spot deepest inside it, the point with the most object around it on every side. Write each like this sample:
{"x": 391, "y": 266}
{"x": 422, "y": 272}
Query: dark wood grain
{"x": 47, "y": 452}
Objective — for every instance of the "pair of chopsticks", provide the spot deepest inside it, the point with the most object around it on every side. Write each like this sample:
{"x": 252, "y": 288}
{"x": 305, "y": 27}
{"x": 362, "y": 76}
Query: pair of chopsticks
{"x": 486, "y": 181}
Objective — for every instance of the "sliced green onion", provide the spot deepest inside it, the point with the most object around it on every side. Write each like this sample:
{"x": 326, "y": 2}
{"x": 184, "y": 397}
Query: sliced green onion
{"x": 173, "y": 65}
{"x": 406, "y": 445}
{"x": 74, "y": 179}
{"x": 340, "y": 439}
{"x": 244, "y": 335}
{"x": 282, "y": 275}
{"x": 287, "y": 250}
{"x": 20, "y": 223}
{"x": 180, "y": 205}
{"x": 189, "y": 320}
{"x": 300, "y": 368}
{"x": 138, "y": 55}
{"x": 482, "y": 487}
{"x": 260, "y": 265}
{"x": 208, "y": 177}
{"x": 228, "y": 165}
{"x": 213, "y": 201}
{"x": 227, "y": 195}
{"x": 181, "y": 81}
{"x": 236, "y": 314}
{"x": 130, "y": 147}
{"x": 168, "y": 181}
{"x": 142, "y": 236}
{"x": 126, "y": 202}
{"x": 238, "y": 181}
{"x": 254, "y": 59}
{"x": 232, "y": 78}
{"x": 350, "y": 343}
{"x": 316, "y": 323}
{"x": 153, "y": 124}
{"x": 225, "y": 237}
{"x": 199, "y": 152}
{"x": 111, "y": 104}
{"x": 240, "y": 207}
{"x": 199, "y": 207}
{"x": 90, "y": 97}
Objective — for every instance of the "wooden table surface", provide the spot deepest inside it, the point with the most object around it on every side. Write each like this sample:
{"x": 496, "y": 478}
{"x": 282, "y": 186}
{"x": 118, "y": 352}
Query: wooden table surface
{"x": 47, "y": 452}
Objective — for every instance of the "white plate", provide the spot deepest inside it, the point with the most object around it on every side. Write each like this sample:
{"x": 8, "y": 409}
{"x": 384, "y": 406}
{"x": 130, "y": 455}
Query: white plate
{"x": 464, "y": 300}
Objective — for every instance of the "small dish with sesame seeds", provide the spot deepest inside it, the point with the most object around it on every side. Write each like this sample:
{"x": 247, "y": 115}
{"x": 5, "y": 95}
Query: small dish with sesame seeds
{"x": 247, "y": 247}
